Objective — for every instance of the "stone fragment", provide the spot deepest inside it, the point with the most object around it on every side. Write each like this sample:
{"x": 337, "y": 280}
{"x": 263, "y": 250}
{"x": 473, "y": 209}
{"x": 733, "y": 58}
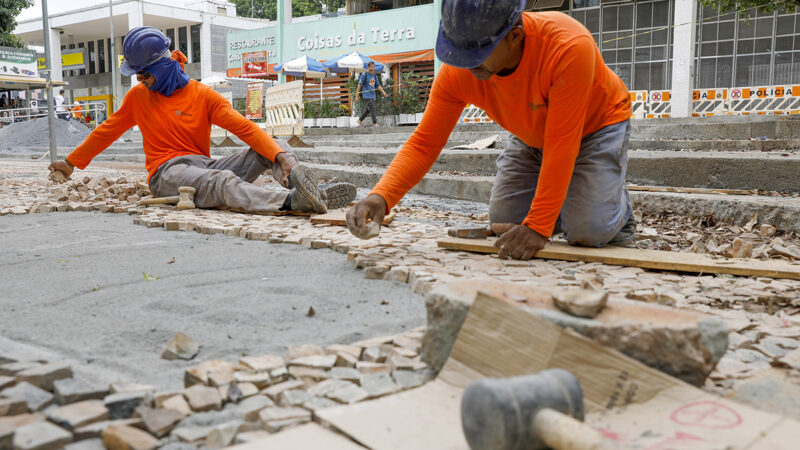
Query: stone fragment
{"x": 275, "y": 391}
{"x": 223, "y": 435}
{"x": 375, "y": 272}
{"x": 768, "y": 231}
{"x": 43, "y": 376}
{"x": 87, "y": 444}
{"x": 345, "y": 373}
{"x": 279, "y": 425}
{"x": 180, "y": 347}
{"x": 299, "y": 351}
{"x": 317, "y": 403}
{"x": 203, "y": 398}
{"x": 79, "y": 414}
{"x": 124, "y": 437}
{"x": 279, "y": 375}
{"x": 250, "y": 407}
{"x": 375, "y": 354}
{"x": 324, "y": 388}
{"x": 160, "y": 397}
{"x": 159, "y": 421}
{"x": 407, "y": 379}
{"x": 580, "y": 302}
{"x": 349, "y": 394}
{"x": 13, "y": 368}
{"x": 260, "y": 379}
{"x": 740, "y": 249}
{"x": 350, "y": 349}
{"x": 397, "y": 362}
{"x": 294, "y": 397}
{"x": 10, "y": 423}
{"x": 192, "y": 435}
{"x": 246, "y": 389}
{"x": 263, "y": 362}
{"x": 123, "y": 388}
{"x": 314, "y": 361}
{"x": 371, "y": 367}
{"x": 219, "y": 378}
{"x": 280, "y": 414}
{"x": 177, "y": 403}
{"x": 246, "y": 437}
{"x": 95, "y": 430}
{"x": 41, "y": 436}
{"x": 404, "y": 352}
{"x": 199, "y": 373}
{"x": 36, "y": 399}
{"x": 73, "y": 390}
{"x": 122, "y": 405}
{"x": 775, "y": 347}
{"x": 307, "y": 374}
{"x": 6, "y": 382}
{"x": 345, "y": 360}
{"x": 378, "y": 384}
{"x": 12, "y": 407}
{"x": 397, "y": 273}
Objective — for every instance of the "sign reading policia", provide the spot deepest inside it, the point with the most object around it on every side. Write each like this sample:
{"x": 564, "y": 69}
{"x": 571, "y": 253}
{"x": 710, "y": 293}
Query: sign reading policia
{"x": 19, "y": 62}
{"x": 71, "y": 59}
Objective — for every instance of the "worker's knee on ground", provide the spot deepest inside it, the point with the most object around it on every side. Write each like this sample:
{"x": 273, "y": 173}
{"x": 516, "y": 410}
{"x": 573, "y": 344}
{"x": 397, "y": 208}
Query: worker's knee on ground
{"x": 212, "y": 192}
{"x": 502, "y": 212}
{"x": 589, "y": 233}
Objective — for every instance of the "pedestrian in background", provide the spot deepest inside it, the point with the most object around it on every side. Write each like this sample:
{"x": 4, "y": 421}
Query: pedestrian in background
{"x": 368, "y": 82}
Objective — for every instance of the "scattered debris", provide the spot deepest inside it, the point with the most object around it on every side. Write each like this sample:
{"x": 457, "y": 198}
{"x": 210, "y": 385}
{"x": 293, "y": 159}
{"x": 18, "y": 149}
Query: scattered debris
{"x": 180, "y": 347}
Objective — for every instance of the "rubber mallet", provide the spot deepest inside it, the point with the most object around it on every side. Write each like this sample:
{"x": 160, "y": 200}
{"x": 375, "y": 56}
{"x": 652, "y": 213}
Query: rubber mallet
{"x": 184, "y": 201}
{"x": 543, "y": 410}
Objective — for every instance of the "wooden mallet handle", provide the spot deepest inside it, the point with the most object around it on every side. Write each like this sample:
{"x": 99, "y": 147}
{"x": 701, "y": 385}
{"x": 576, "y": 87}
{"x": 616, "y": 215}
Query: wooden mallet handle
{"x": 562, "y": 432}
{"x": 160, "y": 201}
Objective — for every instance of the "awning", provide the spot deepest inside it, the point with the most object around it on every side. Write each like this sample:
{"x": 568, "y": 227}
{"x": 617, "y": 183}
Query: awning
{"x": 419, "y": 55}
{"x": 11, "y": 82}
{"x": 237, "y": 72}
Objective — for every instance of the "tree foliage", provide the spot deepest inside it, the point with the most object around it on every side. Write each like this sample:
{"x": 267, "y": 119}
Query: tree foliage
{"x": 268, "y": 9}
{"x": 725, "y": 6}
{"x": 9, "y": 10}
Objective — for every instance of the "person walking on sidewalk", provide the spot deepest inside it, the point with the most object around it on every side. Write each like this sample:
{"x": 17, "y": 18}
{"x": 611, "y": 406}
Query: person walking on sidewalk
{"x": 175, "y": 114}
{"x": 541, "y": 77}
{"x": 368, "y": 82}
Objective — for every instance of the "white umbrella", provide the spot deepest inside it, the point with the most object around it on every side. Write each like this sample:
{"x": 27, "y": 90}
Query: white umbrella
{"x": 216, "y": 82}
{"x": 302, "y": 66}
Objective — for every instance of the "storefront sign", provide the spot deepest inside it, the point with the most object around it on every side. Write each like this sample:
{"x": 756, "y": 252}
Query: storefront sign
{"x": 254, "y": 40}
{"x": 19, "y": 62}
{"x": 254, "y": 107}
{"x": 72, "y": 59}
{"x": 254, "y": 64}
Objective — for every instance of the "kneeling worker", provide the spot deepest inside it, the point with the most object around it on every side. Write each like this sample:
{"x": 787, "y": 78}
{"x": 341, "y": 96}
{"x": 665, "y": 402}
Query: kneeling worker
{"x": 175, "y": 114}
{"x": 541, "y": 77}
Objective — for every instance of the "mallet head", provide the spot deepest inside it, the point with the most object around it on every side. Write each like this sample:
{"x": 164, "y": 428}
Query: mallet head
{"x": 187, "y": 197}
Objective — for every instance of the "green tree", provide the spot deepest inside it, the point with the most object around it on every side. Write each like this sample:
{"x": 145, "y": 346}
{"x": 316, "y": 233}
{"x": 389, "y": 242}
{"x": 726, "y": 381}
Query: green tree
{"x": 762, "y": 5}
{"x": 268, "y": 9}
{"x": 9, "y": 10}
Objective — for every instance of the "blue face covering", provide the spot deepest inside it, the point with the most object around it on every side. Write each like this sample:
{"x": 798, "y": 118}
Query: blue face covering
{"x": 169, "y": 76}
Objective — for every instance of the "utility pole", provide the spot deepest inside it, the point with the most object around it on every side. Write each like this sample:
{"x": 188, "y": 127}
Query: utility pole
{"x": 113, "y": 57}
{"x": 51, "y": 114}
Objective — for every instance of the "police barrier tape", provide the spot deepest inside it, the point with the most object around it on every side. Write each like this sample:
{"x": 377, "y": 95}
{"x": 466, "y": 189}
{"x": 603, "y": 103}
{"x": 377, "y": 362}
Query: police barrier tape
{"x": 764, "y": 100}
{"x": 283, "y": 109}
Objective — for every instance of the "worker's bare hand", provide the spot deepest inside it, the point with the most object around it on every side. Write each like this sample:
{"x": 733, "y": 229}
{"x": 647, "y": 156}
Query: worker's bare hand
{"x": 63, "y": 166}
{"x": 517, "y": 241}
{"x": 287, "y": 163}
{"x": 371, "y": 209}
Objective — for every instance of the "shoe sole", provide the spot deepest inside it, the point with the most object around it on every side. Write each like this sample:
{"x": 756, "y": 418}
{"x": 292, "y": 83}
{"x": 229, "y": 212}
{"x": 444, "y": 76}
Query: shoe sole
{"x": 339, "y": 195}
{"x": 305, "y": 181}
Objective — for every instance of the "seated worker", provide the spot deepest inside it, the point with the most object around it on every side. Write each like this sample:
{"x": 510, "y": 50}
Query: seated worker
{"x": 175, "y": 114}
{"x": 541, "y": 77}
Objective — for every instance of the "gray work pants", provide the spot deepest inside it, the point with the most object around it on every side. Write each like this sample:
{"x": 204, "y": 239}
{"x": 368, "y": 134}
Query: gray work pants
{"x": 221, "y": 183}
{"x": 597, "y": 203}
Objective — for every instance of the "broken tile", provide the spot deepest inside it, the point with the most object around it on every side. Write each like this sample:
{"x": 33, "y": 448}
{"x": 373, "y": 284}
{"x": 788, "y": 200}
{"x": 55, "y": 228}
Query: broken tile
{"x": 180, "y": 347}
{"x": 12, "y": 369}
{"x": 349, "y": 394}
{"x": 345, "y": 360}
{"x": 324, "y": 388}
{"x": 36, "y": 399}
{"x": 44, "y": 375}
{"x": 580, "y": 302}
{"x": 73, "y": 390}
{"x": 192, "y": 435}
{"x": 250, "y": 407}
{"x": 87, "y": 444}
{"x": 279, "y": 414}
{"x": 96, "y": 429}
{"x": 260, "y": 379}
{"x": 407, "y": 379}
{"x": 371, "y": 367}
{"x": 307, "y": 374}
{"x": 275, "y": 391}
{"x": 41, "y": 436}
{"x": 124, "y": 437}
{"x": 177, "y": 403}
{"x": 199, "y": 373}
{"x": 314, "y": 361}
{"x": 122, "y": 388}
{"x": 263, "y": 362}
{"x": 203, "y": 398}
{"x": 223, "y": 435}
{"x": 79, "y": 414}
{"x": 294, "y": 397}
{"x": 122, "y": 405}
{"x": 378, "y": 384}
{"x": 299, "y": 351}
{"x": 345, "y": 373}
{"x": 12, "y": 407}
{"x": 350, "y": 349}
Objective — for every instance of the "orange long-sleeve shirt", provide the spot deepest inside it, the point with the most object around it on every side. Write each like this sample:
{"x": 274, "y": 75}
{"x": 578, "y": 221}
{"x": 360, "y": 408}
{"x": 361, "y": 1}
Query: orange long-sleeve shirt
{"x": 560, "y": 92}
{"x": 173, "y": 126}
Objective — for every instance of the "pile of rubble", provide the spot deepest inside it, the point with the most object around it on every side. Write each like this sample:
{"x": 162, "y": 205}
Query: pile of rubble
{"x": 43, "y": 406}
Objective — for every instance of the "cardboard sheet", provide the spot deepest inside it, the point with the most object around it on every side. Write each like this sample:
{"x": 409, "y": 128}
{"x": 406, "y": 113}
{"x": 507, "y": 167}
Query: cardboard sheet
{"x": 304, "y": 437}
{"x": 338, "y": 217}
{"x": 626, "y": 400}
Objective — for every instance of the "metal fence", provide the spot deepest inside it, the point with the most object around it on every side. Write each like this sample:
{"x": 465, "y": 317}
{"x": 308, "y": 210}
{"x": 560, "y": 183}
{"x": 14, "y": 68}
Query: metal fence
{"x": 95, "y": 112}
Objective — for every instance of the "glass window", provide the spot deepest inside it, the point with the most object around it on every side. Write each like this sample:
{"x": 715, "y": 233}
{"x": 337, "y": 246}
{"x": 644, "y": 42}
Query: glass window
{"x": 783, "y": 68}
{"x": 708, "y": 73}
{"x": 609, "y": 18}
{"x": 746, "y": 29}
{"x": 644, "y": 18}
{"x": 725, "y": 30}
{"x": 642, "y": 54}
{"x": 709, "y": 32}
{"x": 660, "y": 37}
{"x": 625, "y": 17}
{"x": 101, "y": 56}
{"x": 743, "y": 66}
{"x": 182, "y": 43}
{"x": 85, "y": 63}
{"x": 763, "y": 46}
{"x": 623, "y": 56}
{"x": 593, "y": 20}
{"x": 745, "y": 47}
{"x": 195, "y": 30}
{"x": 764, "y": 27}
{"x": 724, "y": 72}
{"x": 785, "y": 25}
{"x": 761, "y": 69}
{"x": 585, "y": 3}
{"x": 92, "y": 57}
{"x": 610, "y": 57}
{"x": 725, "y": 48}
{"x": 708, "y": 49}
{"x": 609, "y": 40}
{"x": 171, "y": 36}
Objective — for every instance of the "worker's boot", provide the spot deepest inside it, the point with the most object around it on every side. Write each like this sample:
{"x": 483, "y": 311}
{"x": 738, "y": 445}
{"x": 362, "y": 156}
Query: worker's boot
{"x": 626, "y": 235}
{"x": 339, "y": 195}
{"x": 305, "y": 195}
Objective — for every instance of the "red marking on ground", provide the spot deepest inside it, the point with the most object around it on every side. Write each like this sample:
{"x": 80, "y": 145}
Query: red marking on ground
{"x": 706, "y": 414}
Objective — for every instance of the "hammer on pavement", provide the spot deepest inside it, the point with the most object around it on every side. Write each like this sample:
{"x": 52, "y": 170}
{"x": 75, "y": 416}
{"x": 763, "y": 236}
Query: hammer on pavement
{"x": 185, "y": 200}
{"x": 543, "y": 410}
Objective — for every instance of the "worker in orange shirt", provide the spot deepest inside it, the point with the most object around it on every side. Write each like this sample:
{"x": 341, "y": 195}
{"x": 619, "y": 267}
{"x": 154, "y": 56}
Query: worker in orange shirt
{"x": 541, "y": 77}
{"x": 175, "y": 114}
{"x": 77, "y": 112}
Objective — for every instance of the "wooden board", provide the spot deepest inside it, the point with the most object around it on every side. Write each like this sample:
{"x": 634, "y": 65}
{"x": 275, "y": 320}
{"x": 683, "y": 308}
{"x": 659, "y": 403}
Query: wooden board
{"x": 303, "y": 437}
{"x": 685, "y": 190}
{"x": 338, "y": 218}
{"x": 648, "y": 259}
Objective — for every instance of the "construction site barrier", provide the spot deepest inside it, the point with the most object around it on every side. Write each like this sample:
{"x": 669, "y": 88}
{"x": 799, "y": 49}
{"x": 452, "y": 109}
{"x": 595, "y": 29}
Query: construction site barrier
{"x": 764, "y": 100}
{"x": 283, "y": 109}
{"x": 658, "y": 104}
{"x": 639, "y": 104}
{"x": 473, "y": 114}
{"x": 708, "y": 102}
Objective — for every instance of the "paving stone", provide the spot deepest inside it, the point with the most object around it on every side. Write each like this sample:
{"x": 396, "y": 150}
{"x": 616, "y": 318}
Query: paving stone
{"x": 246, "y": 437}
{"x": 180, "y": 347}
{"x": 124, "y": 437}
{"x": 79, "y": 414}
{"x": 376, "y": 354}
{"x": 223, "y": 435}
{"x": 43, "y": 376}
{"x": 317, "y": 403}
{"x": 263, "y": 362}
{"x": 294, "y": 397}
{"x": 397, "y": 362}
{"x": 121, "y": 388}
{"x": 12, "y": 369}
{"x": 404, "y": 352}
{"x": 407, "y": 379}
{"x": 12, "y": 407}
{"x": 353, "y": 350}
{"x": 345, "y": 360}
{"x": 260, "y": 379}
{"x": 177, "y": 403}
{"x": 87, "y": 444}
{"x": 123, "y": 404}
{"x": 580, "y": 302}
{"x": 277, "y": 415}
{"x": 279, "y": 375}
{"x": 6, "y": 382}
{"x": 160, "y": 397}
{"x": 199, "y": 373}
{"x": 220, "y": 378}
{"x": 73, "y": 390}
{"x": 41, "y": 436}
{"x": 9, "y": 424}
{"x": 274, "y": 392}
{"x": 192, "y": 435}
{"x": 324, "y": 388}
{"x": 345, "y": 373}
{"x": 349, "y": 394}
{"x": 247, "y": 389}
{"x": 378, "y": 384}
{"x": 278, "y": 425}
{"x": 314, "y": 361}
{"x": 372, "y": 367}
{"x": 307, "y": 374}
{"x": 36, "y": 399}
{"x": 397, "y": 273}
{"x": 159, "y": 421}
{"x": 299, "y": 351}
{"x": 95, "y": 430}
{"x": 203, "y": 398}
{"x": 250, "y": 407}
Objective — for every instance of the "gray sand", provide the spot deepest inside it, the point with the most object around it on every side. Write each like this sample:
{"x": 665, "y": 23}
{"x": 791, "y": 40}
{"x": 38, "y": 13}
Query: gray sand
{"x": 231, "y": 295}
{"x": 17, "y": 137}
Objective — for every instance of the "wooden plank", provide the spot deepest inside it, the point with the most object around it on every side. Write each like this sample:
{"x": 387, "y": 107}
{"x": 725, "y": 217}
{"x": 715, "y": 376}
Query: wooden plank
{"x": 647, "y": 259}
{"x": 338, "y": 218}
{"x": 685, "y": 190}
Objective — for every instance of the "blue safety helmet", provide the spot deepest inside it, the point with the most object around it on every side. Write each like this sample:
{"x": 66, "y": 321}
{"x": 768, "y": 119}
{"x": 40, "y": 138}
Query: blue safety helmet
{"x": 471, "y": 29}
{"x": 142, "y": 47}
